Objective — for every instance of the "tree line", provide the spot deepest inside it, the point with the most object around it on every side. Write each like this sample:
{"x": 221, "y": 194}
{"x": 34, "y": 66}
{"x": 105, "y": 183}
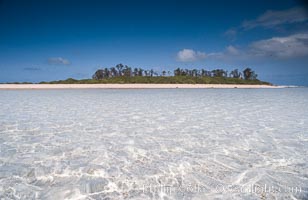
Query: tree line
{"x": 121, "y": 70}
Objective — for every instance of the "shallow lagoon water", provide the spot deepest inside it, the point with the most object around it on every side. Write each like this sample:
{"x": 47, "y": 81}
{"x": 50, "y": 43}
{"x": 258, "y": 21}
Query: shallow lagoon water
{"x": 154, "y": 144}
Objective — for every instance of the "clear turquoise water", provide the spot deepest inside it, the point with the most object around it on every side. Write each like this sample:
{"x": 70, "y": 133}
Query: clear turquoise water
{"x": 154, "y": 144}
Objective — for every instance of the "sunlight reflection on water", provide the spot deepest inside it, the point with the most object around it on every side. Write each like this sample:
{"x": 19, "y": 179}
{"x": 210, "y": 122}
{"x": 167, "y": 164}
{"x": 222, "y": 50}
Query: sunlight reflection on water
{"x": 117, "y": 144}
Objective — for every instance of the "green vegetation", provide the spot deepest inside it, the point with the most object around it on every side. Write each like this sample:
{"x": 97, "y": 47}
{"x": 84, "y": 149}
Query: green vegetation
{"x": 161, "y": 80}
{"x": 123, "y": 74}
{"x": 19, "y": 83}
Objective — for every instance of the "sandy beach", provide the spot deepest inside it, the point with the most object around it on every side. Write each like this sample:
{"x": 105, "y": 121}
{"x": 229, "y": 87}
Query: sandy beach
{"x": 130, "y": 86}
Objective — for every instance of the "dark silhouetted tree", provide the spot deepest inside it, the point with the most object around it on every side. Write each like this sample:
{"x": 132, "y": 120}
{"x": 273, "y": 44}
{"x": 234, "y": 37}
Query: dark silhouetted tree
{"x": 235, "y": 74}
{"x": 99, "y": 74}
{"x": 249, "y": 74}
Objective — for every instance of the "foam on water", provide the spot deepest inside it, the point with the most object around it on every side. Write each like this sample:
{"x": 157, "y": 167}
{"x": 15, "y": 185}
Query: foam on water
{"x": 154, "y": 144}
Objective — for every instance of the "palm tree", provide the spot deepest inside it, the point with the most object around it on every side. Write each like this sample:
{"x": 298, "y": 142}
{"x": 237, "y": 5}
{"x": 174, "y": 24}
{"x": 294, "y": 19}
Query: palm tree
{"x": 98, "y": 75}
{"x": 235, "y": 74}
{"x": 177, "y": 72}
{"x": 136, "y": 71}
{"x": 249, "y": 74}
{"x": 106, "y": 72}
{"x": 127, "y": 71}
{"x": 140, "y": 72}
{"x": 119, "y": 68}
{"x": 219, "y": 73}
{"x": 194, "y": 72}
{"x": 151, "y": 72}
{"x": 113, "y": 71}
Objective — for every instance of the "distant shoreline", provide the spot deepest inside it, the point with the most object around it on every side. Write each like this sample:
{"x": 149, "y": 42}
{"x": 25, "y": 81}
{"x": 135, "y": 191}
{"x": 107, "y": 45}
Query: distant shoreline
{"x": 133, "y": 86}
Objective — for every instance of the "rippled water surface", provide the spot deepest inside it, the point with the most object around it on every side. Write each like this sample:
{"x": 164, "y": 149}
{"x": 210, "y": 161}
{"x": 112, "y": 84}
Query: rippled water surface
{"x": 154, "y": 144}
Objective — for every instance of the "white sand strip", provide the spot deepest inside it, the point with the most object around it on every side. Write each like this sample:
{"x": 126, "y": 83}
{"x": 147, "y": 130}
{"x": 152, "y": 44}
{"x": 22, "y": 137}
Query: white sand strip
{"x": 128, "y": 86}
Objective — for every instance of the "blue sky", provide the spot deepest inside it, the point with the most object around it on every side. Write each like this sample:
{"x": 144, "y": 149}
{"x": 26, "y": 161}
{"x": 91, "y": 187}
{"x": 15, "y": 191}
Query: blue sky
{"x": 52, "y": 40}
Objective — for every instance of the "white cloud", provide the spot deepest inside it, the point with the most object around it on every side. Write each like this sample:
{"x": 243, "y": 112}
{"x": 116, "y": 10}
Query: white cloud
{"x": 231, "y": 50}
{"x": 190, "y": 55}
{"x": 281, "y": 47}
{"x": 58, "y": 61}
{"x": 272, "y": 18}
{"x": 231, "y": 33}
{"x": 289, "y": 47}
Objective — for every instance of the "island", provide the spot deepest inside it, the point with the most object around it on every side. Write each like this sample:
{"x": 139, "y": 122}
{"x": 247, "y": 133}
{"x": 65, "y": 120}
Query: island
{"x": 123, "y": 76}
